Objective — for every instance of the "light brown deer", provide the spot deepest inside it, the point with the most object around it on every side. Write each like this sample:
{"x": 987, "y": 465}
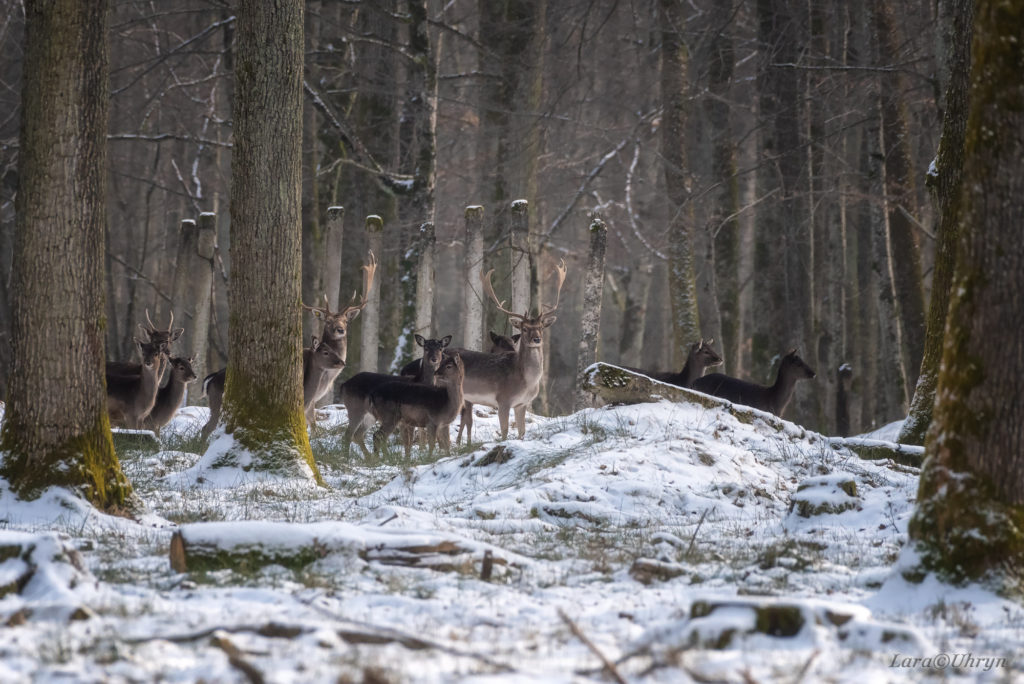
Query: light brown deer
{"x": 499, "y": 344}
{"x": 317, "y": 361}
{"x": 168, "y": 397}
{"x": 416, "y": 405}
{"x": 130, "y": 396}
{"x": 335, "y": 330}
{"x": 510, "y": 380}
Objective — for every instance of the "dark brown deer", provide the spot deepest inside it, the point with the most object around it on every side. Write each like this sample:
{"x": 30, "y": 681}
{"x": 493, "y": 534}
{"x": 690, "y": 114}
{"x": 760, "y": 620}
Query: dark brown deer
{"x": 355, "y": 392}
{"x": 499, "y": 344}
{"x": 511, "y": 380}
{"x": 317, "y": 361}
{"x": 130, "y": 396}
{"x": 415, "y": 405}
{"x": 700, "y": 357}
{"x": 772, "y": 399}
{"x": 168, "y": 397}
{"x": 335, "y": 330}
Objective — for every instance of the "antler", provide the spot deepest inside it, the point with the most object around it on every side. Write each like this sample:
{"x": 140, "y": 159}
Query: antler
{"x": 369, "y": 270}
{"x": 561, "y": 281}
{"x": 152, "y": 326}
{"x": 325, "y": 309}
{"x": 485, "y": 280}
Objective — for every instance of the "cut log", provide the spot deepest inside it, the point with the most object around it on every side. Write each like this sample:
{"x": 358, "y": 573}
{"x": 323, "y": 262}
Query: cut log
{"x": 247, "y": 546}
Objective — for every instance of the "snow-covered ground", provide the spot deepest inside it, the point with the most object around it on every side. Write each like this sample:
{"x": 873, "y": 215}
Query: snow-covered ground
{"x": 673, "y": 542}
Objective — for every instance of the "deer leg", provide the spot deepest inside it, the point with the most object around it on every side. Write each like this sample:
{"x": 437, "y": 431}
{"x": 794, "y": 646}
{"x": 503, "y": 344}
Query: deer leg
{"x": 465, "y": 421}
{"x": 214, "y": 417}
{"x": 408, "y": 436}
{"x": 503, "y": 420}
{"x": 521, "y": 420}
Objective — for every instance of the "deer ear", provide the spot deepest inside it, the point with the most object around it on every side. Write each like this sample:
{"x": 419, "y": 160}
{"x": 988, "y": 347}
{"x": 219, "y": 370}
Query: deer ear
{"x": 446, "y": 340}
{"x": 516, "y": 323}
{"x": 548, "y": 320}
{"x": 494, "y": 336}
{"x": 318, "y": 314}
{"x": 419, "y": 340}
{"x": 515, "y": 338}
{"x": 175, "y": 334}
{"x": 351, "y": 314}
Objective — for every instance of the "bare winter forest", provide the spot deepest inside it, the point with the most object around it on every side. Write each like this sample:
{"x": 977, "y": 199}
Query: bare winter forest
{"x": 762, "y": 169}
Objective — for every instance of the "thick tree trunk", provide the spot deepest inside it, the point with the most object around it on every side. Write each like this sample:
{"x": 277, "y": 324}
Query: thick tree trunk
{"x": 56, "y": 431}
{"x": 675, "y": 103}
{"x": 945, "y": 185}
{"x": 969, "y": 523}
{"x": 263, "y": 392}
{"x": 593, "y": 289}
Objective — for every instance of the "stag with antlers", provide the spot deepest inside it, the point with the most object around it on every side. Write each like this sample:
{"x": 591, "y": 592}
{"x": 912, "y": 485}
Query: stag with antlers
{"x": 511, "y": 379}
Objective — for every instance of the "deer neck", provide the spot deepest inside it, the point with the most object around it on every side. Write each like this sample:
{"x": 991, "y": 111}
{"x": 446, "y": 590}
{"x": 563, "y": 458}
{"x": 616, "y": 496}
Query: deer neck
{"x": 530, "y": 361}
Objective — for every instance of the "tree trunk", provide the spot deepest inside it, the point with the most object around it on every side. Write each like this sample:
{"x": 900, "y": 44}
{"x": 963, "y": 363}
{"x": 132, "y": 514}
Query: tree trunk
{"x": 473, "y": 309}
{"x": 263, "y": 392}
{"x": 945, "y": 185}
{"x": 56, "y": 431}
{"x": 519, "y": 252}
{"x": 425, "y": 281}
{"x": 969, "y": 522}
{"x": 369, "y": 346}
{"x": 634, "y": 316}
{"x": 593, "y": 289}
{"x": 675, "y": 102}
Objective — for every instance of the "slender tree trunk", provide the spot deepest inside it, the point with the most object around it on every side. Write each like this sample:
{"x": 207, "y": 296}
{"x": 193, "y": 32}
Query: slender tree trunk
{"x": 969, "y": 522}
{"x": 634, "y": 316}
{"x": 425, "y": 281}
{"x": 519, "y": 251}
{"x": 263, "y": 392}
{"x": 369, "y": 348}
{"x": 946, "y": 187}
{"x": 193, "y": 279}
{"x": 675, "y": 97}
{"x": 56, "y": 431}
{"x": 593, "y": 289}
{"x": 473, "y": 309}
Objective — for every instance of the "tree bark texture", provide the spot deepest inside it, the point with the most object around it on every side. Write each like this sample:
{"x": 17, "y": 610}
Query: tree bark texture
{"x": 473, "y": 305}
{"x": 369, "y": 347}
{"x": 590, "y": 325}
{"x": 675, "y": 102}
{"x": 263, "y": 393}
{"x": 946, "y": 189}
{"x": 900, "y": 202}
{"x": 56, "y": 431}
{"x": 969, "y": 523}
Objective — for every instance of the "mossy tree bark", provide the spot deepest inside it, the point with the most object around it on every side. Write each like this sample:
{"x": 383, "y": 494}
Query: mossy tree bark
{"x": 682, "y": 282}
{"x": 263, "y": 393}
{"x": 944, "y": 183}
{"x": 969, "y": 522}
{"x": 56, "y": 431}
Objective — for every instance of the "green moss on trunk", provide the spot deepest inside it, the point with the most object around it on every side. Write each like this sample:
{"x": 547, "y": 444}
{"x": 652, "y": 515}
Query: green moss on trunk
{"x": 85, "y": 463}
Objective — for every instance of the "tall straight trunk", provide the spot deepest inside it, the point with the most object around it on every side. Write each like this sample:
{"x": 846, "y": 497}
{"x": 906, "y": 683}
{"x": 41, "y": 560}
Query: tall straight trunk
{"x": 425, "y": 324}
{"x": 675, "y": 103}
{"x": 724, "y": 224}
{"x": 634, "y": 316}
{"x": 593, "y": 288}
{"x": 519, "y": 251}
{"x": 900, "y": 201}
{"x": 473, "y": 309}
{"x": 782, "y": 251}
{"x": 945, "y": 184}
{"x": 193, "y": 279}
{"x": 56, "y": 431}
{"x": 969, "y": 521}
{"x": 369, "y": 348}
{"x": 263, "y": 392}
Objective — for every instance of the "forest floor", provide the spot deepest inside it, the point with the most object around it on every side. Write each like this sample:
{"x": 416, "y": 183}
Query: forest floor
{"x": 650, "y": 543}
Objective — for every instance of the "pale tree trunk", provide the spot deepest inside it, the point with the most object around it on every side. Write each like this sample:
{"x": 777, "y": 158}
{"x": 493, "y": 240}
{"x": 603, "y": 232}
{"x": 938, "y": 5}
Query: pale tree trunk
{"x": 56, "y": 431}
{"x": 263, "y": 392}
{"x": 335, "y": 241}
{"x": 193, "y": 280}
{"x": 519, "y": 252}
{"x": 675, "y": 102}
{"x": 590, "y": 325}
{"x": 969, "y": 522}
{"x": 945, "y": 185}
{"x": 370, "y": 334}
{"x": 425, "y": 281}
{"x": 900, "y": 201}
{"x": 473, "y": 309}
{"x": 634, "y": 316}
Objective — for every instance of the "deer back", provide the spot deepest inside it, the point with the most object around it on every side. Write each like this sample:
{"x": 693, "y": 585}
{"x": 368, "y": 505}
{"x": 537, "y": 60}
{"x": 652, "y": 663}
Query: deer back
{"x": 766, "y": 398}
{"x": 131, "y": 397}
{"x": 421, "y": 405}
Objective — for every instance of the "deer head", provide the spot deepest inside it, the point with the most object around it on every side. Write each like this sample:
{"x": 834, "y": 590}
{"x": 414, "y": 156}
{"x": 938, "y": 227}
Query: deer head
{"x": 433, "y": 350}
{"x": 335, "y": 329}
{"x": 530, "y": 327}
{"x": 158, "y": 336}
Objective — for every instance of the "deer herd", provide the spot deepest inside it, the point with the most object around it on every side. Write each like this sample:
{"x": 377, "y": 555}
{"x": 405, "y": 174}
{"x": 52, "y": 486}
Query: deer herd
{"x": 429, "y": 393}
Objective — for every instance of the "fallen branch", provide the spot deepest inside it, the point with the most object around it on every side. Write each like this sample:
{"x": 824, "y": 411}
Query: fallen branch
{"x": 609, "y": 666}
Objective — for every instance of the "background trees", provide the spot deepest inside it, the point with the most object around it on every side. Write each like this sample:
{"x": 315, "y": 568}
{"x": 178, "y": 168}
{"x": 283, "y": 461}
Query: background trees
{"x": 781, "y": 187}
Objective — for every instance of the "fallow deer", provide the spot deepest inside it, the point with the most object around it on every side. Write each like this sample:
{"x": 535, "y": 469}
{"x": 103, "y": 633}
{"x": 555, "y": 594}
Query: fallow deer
{"x": 154, "y": 336}
{"x": 700, "y": 357}
{"x": 510, "y": 380}
{"x": 416, "y": 405}
{"x": 168, "y": 397}
{"x": 499, "y": 344}
{"x": 130, "y": 396}
{"x": 772, "y": 399}
{"x": 335, "y": 330}
{"x": 355, "y": 392}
